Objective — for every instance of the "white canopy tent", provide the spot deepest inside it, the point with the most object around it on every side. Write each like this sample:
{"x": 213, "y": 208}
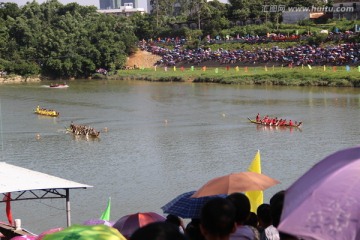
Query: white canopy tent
{"x": 25, "y": 184}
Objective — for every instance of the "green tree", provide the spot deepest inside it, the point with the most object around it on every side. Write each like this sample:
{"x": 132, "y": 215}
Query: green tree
{"x": 199, "y": 10}
{"x": 239, "y": 9}
{"x": 217, "y": 20}
{"x": 63, "y": 40}
{"x": 9, "y": 10}
{"x": 142, "y": 25}
{"x": 162, "y": 9}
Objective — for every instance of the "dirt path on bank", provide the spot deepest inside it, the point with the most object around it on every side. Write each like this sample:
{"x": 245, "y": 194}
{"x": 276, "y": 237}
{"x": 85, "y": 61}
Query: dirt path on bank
{"x": 142, "y": 59}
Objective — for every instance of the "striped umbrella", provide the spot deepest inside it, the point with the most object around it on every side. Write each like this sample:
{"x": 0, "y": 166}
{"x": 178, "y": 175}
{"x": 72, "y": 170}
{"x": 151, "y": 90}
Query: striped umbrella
{"x": 186, "y": 207}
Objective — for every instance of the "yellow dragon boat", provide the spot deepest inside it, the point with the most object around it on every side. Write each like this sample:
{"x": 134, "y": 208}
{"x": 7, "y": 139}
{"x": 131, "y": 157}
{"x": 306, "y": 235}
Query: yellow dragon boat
{"x": 46, "y": 112}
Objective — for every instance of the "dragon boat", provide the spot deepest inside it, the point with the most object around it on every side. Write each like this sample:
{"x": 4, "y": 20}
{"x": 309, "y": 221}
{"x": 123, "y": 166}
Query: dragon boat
{"x": 82, "y": 130}
{"x": 58, "y": 85}
{"x": 46, "y": 112}
{"x": 296, "y": 125}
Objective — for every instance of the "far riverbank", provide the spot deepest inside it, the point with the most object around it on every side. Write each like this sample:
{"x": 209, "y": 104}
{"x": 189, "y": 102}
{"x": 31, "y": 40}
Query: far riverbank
{"x": 9, "y": 79}
{"x": 331, "y": 76}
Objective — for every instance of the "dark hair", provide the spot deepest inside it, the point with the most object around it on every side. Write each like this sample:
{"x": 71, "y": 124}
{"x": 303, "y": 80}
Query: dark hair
{"x": 264, "y": 213}
{"x": 276, "y": 204}
{"x": 173, "y": 219}
{"x": 192, "y": 230}
{"x": 218, "y": 217}
{"x": 252, "y": 220}
{"x": 242, "y": 206}
{"x": 158, "y": 231}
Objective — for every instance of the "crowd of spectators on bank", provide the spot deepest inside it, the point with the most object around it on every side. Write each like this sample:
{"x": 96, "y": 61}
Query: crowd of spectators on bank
{"x": 346, "y": 53}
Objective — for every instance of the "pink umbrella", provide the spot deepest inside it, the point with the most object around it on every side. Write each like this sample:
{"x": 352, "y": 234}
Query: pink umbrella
{"x": 324, "y": 202}
{"x": 24, "y": 237}
{"x": 46, "y": 232}
{"x": 128, "y": 224}
{"x": 235, "y": 182}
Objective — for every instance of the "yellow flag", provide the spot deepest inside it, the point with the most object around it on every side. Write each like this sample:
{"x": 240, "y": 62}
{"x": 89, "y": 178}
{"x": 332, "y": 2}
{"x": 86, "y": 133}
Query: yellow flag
{"x": 256, "y": 197}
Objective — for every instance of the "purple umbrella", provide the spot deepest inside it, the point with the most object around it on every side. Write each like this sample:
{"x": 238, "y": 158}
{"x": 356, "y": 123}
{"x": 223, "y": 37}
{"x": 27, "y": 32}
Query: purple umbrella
{"x": 98, "y": 222}
{"x": 324, "y": 203}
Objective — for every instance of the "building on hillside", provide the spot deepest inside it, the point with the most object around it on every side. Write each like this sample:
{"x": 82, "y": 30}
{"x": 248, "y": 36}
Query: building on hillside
{"x": 292, "y": 17}
{"x": 346, "y": 9}
{"x": 177, "y": 5}
{"x": 109, "y": 4}
{"x": 125, "y": 11}
{"x": 116, "y": 4}
{"x": 134, "y": 3}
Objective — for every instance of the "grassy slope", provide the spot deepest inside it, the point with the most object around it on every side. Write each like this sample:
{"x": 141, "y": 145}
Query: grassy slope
{"x": 297, "y": 76}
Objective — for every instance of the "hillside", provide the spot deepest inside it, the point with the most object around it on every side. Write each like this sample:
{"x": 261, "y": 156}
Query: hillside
{"x": 142, "y": 59}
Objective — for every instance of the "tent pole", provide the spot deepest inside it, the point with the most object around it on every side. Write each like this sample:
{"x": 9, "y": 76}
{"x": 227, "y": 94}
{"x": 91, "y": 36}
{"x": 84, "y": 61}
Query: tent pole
{"x": 68, "y": 216}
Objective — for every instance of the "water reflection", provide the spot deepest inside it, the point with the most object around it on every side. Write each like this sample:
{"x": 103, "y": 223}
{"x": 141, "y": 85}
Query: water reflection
{"x": 85, "y": 138}
{"x": 260, "y": 127}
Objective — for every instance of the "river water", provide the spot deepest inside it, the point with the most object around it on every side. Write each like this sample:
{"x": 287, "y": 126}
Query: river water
{"x": 164, "y": 139}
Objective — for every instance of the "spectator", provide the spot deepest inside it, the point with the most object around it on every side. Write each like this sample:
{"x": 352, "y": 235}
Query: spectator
{"x": 242, "y": 207}
{"x": 192, "y": 230}
{"x": 266, "y": 229}
{"x": 217, "y": 219}
{"x": 158, "y": 231}
{"x": 252, "y": 220}
{"x": 177, "y": 221}
{"x": 276, "y": 204}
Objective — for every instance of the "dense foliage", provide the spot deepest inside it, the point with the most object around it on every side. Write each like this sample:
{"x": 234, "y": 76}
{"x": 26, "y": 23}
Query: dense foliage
{"x": 73, "y": 41}
{"x": 62, "y": 40}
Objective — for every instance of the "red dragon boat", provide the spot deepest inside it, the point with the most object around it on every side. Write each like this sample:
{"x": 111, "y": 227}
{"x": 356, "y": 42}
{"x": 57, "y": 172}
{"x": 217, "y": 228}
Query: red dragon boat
{"x": 296, "y": 125}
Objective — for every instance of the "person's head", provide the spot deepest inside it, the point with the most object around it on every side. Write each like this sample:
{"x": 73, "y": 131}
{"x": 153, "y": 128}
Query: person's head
{"x": 173, "y": 219}
{"x": 192, "y": 230}
{"x": 242, "y": 206}
{"x": 217, "y": 218}
{"x": 158, "y": 231}
{"x": 252, "y": 220}
{"x": 276, "y": 204}
{"x": 264, "y": 215}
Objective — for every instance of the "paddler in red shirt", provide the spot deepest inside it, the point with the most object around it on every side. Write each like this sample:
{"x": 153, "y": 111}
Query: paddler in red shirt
{"x": 265, "y": 119}
{"x": 274, "y": 121}
{"x": 258, "y": 117}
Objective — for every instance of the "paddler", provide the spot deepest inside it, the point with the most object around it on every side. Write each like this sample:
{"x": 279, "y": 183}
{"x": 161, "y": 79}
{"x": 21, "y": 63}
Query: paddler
{"x": 258, "y": 117}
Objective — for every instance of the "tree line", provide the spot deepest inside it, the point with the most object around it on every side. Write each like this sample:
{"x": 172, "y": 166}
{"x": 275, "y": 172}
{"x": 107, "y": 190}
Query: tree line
{"x": 59, "y": 40}
{"x": 73, "y": 41}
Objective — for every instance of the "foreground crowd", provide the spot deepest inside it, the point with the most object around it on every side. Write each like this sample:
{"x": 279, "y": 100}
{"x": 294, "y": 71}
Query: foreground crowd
{"x": 222, "y": 219}
{"x": 322, "y": 204}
